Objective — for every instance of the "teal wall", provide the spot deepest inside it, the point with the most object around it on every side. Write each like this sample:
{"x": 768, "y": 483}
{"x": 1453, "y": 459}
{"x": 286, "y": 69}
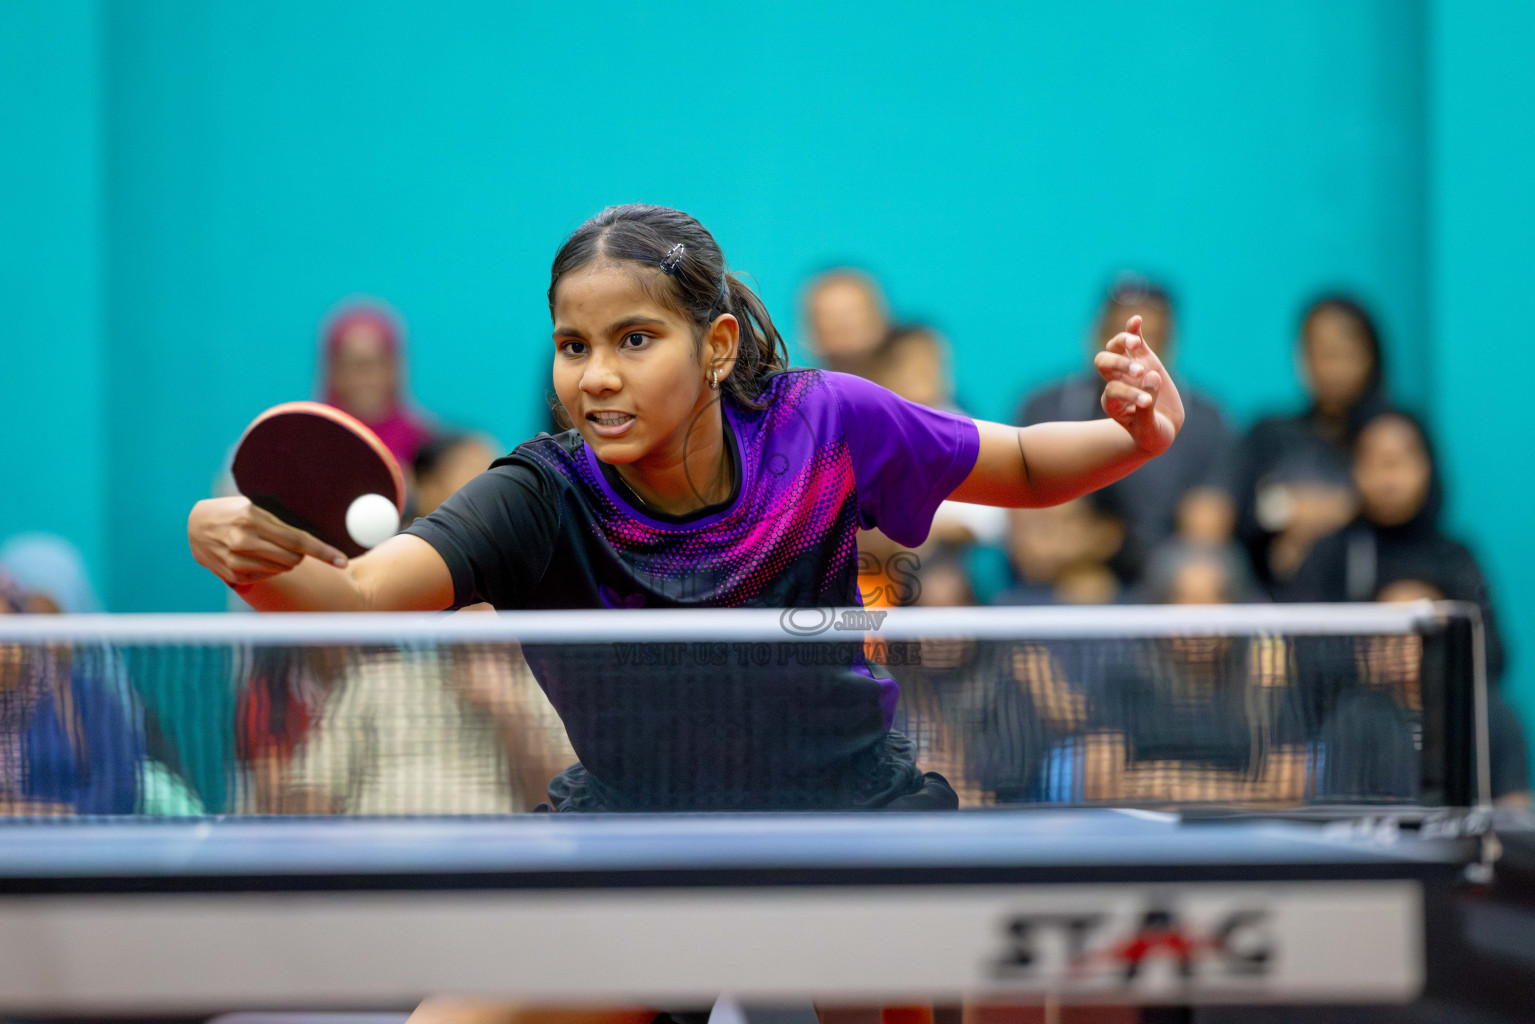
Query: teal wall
{"x": 1483, "y": 268}
{"x": 198, "y": 183}
{"x": 52, "y": 372}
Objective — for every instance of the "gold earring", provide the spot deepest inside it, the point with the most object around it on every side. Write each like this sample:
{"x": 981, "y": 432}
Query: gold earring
{"x": 714, "y": 380}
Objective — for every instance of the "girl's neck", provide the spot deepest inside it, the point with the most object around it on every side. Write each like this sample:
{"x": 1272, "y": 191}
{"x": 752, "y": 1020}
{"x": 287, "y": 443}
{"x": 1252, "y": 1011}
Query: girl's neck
{"x": 691, "y": 472}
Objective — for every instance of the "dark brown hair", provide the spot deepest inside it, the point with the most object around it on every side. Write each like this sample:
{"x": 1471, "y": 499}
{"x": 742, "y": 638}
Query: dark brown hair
{"x": 691, "y": 280}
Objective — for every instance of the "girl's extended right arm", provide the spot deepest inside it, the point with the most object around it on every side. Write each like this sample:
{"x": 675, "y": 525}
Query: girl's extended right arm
{"x": 276, "y": 567}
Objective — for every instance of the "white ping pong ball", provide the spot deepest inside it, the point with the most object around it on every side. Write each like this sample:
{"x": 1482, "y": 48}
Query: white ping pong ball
{"x": 371, "y": 520}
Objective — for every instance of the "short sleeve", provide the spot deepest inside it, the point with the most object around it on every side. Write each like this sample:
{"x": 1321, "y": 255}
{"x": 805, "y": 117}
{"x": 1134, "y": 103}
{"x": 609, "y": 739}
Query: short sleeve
{"x": 907, "y": 458}
{"x": 496, "y": 534}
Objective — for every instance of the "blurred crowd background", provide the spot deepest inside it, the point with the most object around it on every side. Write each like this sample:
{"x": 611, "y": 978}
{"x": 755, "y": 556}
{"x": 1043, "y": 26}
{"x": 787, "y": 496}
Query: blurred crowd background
{"x": 210, "y": 208}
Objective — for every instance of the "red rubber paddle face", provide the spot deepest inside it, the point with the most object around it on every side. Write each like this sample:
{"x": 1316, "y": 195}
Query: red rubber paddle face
{"x": 306, "y": 463}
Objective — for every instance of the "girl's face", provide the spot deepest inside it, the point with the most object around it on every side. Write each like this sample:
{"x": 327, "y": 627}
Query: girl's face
{"x": 1391, "y": 471}
{"x": 1338, "y": 361}
{"x": 362, "y": 373}
{"x": 630, "y": 371}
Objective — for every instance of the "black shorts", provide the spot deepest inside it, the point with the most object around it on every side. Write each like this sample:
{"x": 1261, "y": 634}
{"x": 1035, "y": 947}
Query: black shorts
{"x": 883, "y": 776}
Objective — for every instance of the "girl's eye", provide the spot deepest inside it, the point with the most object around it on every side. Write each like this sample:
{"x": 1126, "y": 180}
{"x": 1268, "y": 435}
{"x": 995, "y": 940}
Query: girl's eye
{"x": 636, "y": 339}
{"x": 572, "y": 348}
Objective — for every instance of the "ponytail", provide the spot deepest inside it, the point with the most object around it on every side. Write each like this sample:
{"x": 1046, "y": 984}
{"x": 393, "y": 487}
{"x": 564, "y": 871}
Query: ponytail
{"x": 761, "y": 351}
{"x": 693, "y": 281}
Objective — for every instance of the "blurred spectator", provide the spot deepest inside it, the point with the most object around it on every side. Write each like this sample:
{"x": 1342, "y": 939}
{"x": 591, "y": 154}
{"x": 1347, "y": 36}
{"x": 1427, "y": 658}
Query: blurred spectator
{"x": 88, "y": 747}
{"x": 1184, "y": 572}
{"x": 1508, "y": 753}
{"x": 846, "y": 320}
{"x": 1178, "y": 718}
{"x": 429, "y": 732}
{"x": 1395, "y": 550}
{"x": 1186, "y": 719}
{"x": 68, "y": 743}
{"x": 1289, "y": 477}
{"x": 1061, "y": 554}
{"x": 960, "y": 705}
{"x": 914, "y": 363}
{"x": 445, "y": 463}
{"x": 1148, "y": 500}
{"x": 282, "y": 696}
{"x": 363, "y": 374}
{"x": 1367, "y": 692}
{"x": 1365, "y": 750}
{"x": 943, "y": 582}
{"x": 1396, "y": 534}
{"x": 50, "y": 571}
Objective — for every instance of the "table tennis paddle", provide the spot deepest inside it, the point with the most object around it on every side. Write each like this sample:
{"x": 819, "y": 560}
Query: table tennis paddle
{"x": 324, "y": 472}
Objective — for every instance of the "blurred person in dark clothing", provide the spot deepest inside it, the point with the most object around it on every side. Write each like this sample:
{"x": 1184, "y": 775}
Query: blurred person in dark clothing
{"x": 1187, "y": 718}
{"x": 846, "y": 320}
{"x": 1397, "y": 533}
{"x": 1148, "y": 500}
{"x": 960, "y": 702}
{"x": 1368, "y": 692}
{"x": 1289, "y": 477}
{"x": 1395, "y": 549}
{"x": 1061, "y": 554}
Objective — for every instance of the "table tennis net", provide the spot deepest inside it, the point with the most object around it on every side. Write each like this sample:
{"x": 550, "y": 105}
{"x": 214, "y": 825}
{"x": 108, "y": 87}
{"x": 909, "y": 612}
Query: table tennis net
{"x": 686, "y": 711}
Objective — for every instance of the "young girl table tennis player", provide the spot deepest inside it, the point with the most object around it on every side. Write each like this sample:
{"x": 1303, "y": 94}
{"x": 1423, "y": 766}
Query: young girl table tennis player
{"x": 701, "y": 472}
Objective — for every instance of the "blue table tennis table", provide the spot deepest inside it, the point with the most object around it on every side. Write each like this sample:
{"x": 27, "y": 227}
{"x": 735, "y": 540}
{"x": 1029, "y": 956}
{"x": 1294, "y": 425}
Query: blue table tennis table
{"x": 1099, "y": 906}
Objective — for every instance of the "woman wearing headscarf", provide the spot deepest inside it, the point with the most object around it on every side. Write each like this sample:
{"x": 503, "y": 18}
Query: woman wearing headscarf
{"x": 51, "y": 572}
{"x": 1289, "y": 477}
{"x": 1395, "y": 549}
{"x": 363, "y": 374}
{"x": 1396, "y": 534}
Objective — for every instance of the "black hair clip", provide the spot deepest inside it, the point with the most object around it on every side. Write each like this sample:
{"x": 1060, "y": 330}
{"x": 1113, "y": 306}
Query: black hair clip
{"x": 672, "y": 258}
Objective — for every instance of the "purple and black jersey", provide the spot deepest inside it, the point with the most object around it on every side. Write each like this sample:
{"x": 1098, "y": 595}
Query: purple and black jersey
{"x": 547, "y": 527}
{"x": 550, "y": 526}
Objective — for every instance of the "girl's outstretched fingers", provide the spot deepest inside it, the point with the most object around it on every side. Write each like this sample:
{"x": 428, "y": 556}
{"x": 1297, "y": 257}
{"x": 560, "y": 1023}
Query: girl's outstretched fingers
{"x": 1121, "y": 401}
{"x": 1138, "y": 393}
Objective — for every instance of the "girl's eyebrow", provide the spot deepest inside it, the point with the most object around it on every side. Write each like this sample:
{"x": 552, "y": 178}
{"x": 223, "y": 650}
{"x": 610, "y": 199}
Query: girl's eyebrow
{"x": 622, "y": 325}
{"x": 635, "y": 321}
